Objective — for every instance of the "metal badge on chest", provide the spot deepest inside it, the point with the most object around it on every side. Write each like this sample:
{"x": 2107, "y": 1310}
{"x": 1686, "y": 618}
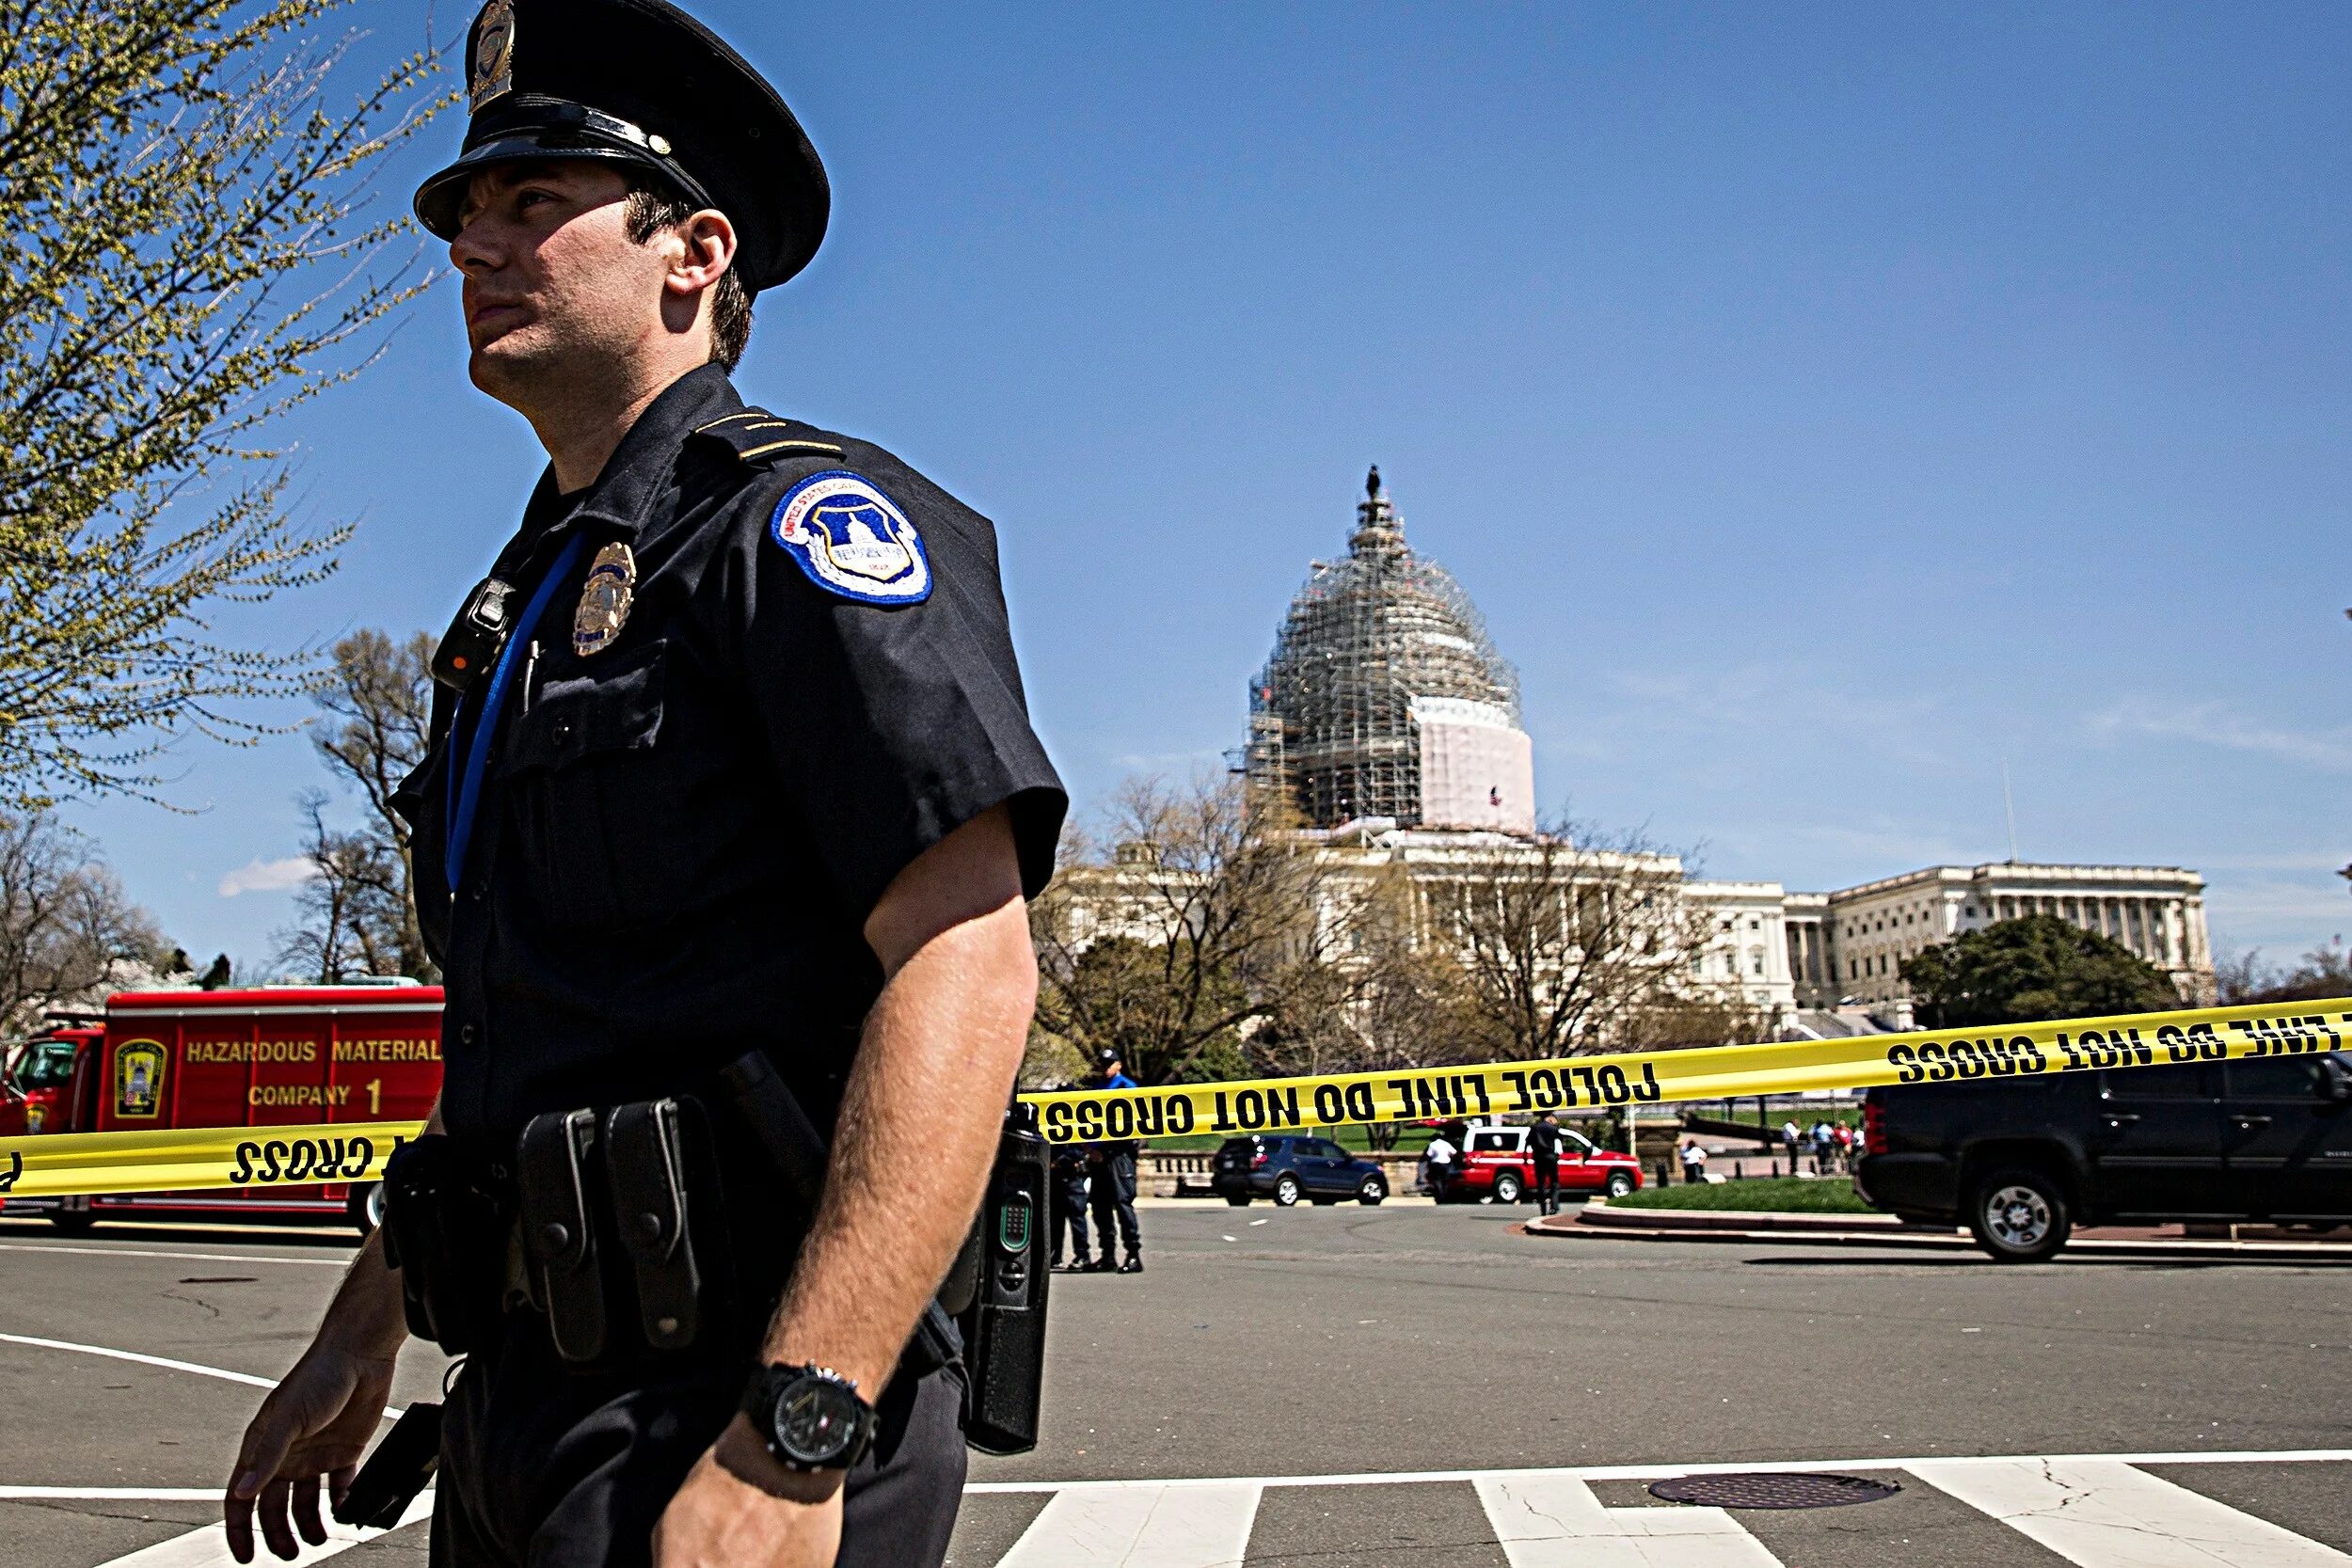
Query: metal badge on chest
{"x": 604, "y": 600}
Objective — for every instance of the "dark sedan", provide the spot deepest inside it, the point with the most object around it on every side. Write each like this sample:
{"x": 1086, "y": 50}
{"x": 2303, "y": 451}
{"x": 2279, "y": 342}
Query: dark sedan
{"x": 1287, "y": 1168}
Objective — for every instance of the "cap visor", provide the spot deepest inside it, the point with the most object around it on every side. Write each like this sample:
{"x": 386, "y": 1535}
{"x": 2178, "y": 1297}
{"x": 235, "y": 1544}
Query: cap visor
{"x": 442, "y": 197}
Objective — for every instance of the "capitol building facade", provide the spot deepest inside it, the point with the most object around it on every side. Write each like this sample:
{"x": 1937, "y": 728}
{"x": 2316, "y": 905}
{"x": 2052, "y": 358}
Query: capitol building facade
{"x": 1391, "y": 722}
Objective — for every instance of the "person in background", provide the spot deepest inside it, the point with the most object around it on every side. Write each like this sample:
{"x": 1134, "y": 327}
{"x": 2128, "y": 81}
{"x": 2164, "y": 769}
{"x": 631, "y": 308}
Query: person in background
{"x": 1844, "y": 1135}
{"x": 1822, "y": 1144}
{"x": 1788, "y": 1138}
{"x": 1111, "y": 1178}
{"x": 1543, "y": 1153}
{"x": 1694, "y": 1160}
{"x": 1069, "y": 1204}
{"x": 1436, "y": 1163}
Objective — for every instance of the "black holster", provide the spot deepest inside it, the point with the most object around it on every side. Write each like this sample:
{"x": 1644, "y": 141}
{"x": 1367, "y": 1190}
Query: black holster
{"x": 446, "y": 1226}
{"x": 624, "y": 1230}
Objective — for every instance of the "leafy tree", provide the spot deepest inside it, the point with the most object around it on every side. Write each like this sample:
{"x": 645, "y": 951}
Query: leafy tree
{"x": 2031, "y": 968}
{"x": 65, "y": 922}
{"x": 2323, "y": 974}
{"x": 359, "y": 909}
{"x": 1574, "y": 944}
{"x": 184, "y": 253}
{"x": 1185, "y": 922}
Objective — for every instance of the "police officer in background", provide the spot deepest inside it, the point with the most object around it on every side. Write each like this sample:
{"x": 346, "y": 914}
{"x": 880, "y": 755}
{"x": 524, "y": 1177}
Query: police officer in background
{"x": 1542, "y": 1158}
{"x": 1111, "y": 1179}
{"x": 730, "y": 749}
{"x": 1070, "y": 1206}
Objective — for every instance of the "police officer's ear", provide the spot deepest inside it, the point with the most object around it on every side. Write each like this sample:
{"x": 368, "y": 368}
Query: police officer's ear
{"x": 703, "y": 246}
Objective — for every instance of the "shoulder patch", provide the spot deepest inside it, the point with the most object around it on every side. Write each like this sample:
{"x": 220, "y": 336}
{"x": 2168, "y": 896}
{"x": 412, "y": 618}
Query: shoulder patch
{"x": 853, "y": 540}
{"x": 757, "y": 435}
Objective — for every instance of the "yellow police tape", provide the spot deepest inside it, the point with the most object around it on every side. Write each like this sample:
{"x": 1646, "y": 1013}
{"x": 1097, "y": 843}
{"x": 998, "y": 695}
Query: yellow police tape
{"x": 194, "y": 1159}
{"x": 1586, "y": 1084}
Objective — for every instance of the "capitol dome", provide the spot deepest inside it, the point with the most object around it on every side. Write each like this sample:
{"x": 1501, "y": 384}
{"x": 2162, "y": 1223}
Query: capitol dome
{"x": 1386, "y": 697}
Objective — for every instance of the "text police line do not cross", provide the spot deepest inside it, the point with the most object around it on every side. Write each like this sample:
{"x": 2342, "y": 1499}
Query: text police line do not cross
{"x": 1708, "y": 1072}
{"x": 190, "y": 1159}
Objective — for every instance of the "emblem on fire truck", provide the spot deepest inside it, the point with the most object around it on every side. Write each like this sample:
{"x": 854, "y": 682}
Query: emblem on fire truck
{"x": 139, "y": 1078}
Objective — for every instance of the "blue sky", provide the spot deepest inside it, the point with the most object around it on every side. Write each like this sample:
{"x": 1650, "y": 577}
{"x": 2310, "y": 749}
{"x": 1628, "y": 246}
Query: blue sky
{"x": 1824, "y": 403}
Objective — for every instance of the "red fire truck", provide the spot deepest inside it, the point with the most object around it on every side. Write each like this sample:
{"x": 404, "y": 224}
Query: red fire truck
{"x": 276, "y": 1056}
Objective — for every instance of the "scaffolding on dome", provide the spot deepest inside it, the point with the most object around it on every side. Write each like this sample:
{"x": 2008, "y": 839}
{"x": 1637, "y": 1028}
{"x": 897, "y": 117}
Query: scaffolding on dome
{"x": 1369, "y": 641}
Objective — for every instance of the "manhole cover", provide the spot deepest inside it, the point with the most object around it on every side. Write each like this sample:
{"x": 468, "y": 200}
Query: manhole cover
{"x": 1759, "y": 1489}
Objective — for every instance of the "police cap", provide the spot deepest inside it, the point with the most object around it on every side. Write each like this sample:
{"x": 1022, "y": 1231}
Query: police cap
{"x": 638, "y": 82}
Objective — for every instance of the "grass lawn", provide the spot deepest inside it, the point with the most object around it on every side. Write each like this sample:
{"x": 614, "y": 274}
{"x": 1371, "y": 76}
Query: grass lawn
{"x": 1830, "y": 1194}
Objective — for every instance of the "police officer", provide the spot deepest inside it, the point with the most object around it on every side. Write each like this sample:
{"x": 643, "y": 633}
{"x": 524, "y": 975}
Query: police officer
{"x": 731, "y": 750}
{"x": 1070, "y": 1206}
{"x": 1111, "y": 1178}
{"x": 1542, "y": 1158}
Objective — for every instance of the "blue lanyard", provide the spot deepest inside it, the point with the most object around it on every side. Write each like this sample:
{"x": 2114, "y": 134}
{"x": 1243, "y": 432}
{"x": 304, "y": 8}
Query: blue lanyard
{"x": 465, "y": 787}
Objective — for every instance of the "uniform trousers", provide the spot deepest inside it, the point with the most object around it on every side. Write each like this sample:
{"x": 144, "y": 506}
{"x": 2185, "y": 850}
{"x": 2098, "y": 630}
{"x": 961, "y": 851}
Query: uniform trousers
{"x": 1114, "y": 1198}
{"x": 1070, "y": 1214}
{"x": 1546, "y": 1183}
{"x": 544, "y": 1467}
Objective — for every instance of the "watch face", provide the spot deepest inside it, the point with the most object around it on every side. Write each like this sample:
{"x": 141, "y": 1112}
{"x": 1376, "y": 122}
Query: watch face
{"x": 815, "y": 1419}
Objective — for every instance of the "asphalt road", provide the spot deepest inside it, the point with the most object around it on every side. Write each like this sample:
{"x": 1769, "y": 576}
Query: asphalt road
{"x": 1440, "y": 1347}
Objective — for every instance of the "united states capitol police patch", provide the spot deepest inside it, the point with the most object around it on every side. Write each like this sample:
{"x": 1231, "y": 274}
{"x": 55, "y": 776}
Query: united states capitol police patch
{"x": 852, "y": 539}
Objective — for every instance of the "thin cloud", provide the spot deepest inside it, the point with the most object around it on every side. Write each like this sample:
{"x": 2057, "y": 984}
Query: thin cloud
{"x": 260, "y": 875}
{"x": 2215, "y": 724}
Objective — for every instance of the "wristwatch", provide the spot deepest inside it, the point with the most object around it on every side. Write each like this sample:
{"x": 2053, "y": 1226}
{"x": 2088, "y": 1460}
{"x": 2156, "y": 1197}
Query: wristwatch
{"x": 811, "y": 1417}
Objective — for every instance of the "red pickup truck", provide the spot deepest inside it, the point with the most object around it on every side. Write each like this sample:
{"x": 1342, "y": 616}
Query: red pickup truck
{"x": 1495, "y": 1165}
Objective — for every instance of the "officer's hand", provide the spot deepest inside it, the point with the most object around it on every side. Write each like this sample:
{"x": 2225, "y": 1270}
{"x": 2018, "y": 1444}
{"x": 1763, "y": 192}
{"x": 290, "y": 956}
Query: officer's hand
{"x": 740, "y": 1509}
{"x": 317, "y": 1422}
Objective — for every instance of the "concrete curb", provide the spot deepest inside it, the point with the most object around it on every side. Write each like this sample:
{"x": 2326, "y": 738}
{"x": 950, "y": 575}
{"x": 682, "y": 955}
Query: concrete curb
{"x": 1598, "y": 1212}
{"x": 1884, "y": 1231}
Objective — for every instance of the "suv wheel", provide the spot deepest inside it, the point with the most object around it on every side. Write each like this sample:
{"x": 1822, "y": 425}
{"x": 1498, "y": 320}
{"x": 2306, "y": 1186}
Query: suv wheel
{"x": 1372, "y": 1191}
{"x": 1507, "y": 1188}
{"x": 1620, "y": 1183}
{"x": 2019, "y": 1216}
{"x": 1239, "y": 1200}
{"x": 1286, "y": 1190}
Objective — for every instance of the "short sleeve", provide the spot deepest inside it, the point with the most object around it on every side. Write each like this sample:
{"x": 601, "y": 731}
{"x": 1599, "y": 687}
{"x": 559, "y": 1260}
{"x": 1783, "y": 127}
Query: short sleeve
{"x": 890, "y": 723}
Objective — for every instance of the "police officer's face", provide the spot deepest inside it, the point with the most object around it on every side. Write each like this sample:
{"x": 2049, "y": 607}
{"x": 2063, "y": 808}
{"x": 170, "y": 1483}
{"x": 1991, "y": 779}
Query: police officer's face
{"x": 554, "y": 288}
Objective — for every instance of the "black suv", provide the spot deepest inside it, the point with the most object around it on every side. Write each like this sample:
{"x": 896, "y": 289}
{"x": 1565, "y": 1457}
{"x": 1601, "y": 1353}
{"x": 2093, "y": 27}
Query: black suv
{"x": 1288, "y": 1169}
{"x": 2021, "y": 1162}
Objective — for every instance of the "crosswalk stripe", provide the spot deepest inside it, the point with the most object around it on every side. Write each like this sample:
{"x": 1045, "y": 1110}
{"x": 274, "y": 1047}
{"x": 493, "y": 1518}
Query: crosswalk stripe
{"x": 1556, "y": 1522}
{"x": 209, "y": 1547}
{"x": 2110, "y": 1515}
{"x": 1140, "y": 1526}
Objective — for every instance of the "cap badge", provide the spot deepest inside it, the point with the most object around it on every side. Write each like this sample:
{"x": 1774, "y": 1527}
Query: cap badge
{"x": 604, "y": 600}
{"x": 850, "y": 539}
{"x": 493, "y": 62}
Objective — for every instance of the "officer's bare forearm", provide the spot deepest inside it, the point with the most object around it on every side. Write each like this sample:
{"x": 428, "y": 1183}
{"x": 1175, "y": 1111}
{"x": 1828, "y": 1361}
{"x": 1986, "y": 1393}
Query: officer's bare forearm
{"x": 366, "y": 1317}
{"x": 923, "y": 1106}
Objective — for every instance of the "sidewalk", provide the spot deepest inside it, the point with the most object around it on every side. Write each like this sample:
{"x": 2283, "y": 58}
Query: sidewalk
{"x": 1598, "y": 1220}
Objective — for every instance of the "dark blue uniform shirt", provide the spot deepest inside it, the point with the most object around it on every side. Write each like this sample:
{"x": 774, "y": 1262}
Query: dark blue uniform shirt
{"x": 680, "y": 834}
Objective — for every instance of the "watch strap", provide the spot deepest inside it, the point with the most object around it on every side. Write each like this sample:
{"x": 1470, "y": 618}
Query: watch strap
{"x": 765, "y": 1393}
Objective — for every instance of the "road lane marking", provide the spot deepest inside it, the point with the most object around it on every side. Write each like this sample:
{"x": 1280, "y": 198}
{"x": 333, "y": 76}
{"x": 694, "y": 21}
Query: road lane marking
{"x": 190, "y": 1257}
{"x": 1665, "y": 1469}
{"x": 108, "y": 1494}
{"x": 1555, "y": 1522}
{"x": 209, "y": 1547}
{"x": 1141, "y": 1525}
{"x": 392, "y": 1412}
{"x": 2101, "y": 1514}
{"x": 164, "y": 1361}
